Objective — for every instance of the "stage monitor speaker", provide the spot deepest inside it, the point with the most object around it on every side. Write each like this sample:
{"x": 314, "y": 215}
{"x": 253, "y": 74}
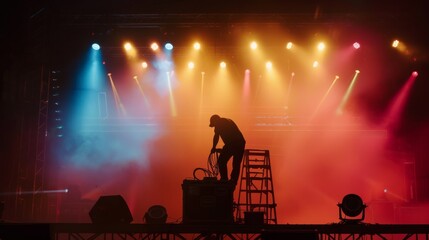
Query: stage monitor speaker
{"x": 207, "y": 201}
{"x": 110, "y": 209}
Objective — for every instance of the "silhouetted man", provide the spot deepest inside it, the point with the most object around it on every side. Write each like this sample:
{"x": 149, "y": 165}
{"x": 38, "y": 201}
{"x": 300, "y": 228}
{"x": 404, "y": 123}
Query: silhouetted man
{"x": 234, "y": 146}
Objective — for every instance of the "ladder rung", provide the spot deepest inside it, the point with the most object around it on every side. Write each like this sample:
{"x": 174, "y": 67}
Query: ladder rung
{"x": 256, "y": 166}
{"x": 256, "y": 162}
{"x": 265, "y": 156}
{"x": 268, "y": 205}
{"x": 255, "y": 173}
{"x": 257, "y": 178}
{"x": 257, "y": 152}
{"x": 256, "y": 191}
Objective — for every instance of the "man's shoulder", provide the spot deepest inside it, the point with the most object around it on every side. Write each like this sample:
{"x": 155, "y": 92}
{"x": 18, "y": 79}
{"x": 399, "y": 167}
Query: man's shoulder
{"x": 227, "y": 121}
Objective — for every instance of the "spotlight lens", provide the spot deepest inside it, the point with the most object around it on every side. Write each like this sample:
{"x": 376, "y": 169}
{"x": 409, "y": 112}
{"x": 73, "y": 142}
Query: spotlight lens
{"x": 253, "y": 45}
{"x": 95, "y": 46}
{"x": 197, "y": 46}
{"x": 352, "y": 205}
{"x": 191, "y": 65}
{"x": 321, "y": 46}
{"x": 154, "y": 46}
{"x": 169, "y": 46}
{"x": 356, "y": 45}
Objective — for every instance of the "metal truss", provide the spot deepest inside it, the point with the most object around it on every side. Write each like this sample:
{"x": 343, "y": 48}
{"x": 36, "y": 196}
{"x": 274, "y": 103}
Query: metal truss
{"x": 230, "y": 236}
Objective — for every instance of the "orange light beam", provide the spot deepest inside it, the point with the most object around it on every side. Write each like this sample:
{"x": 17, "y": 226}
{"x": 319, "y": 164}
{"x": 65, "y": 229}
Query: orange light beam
{"x": 246, "y": 85}
{"x": 292, "y": 76}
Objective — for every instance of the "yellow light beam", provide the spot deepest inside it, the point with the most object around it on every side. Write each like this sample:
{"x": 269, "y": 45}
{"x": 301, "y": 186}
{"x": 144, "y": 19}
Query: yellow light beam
{"x": 202, "y": 91}
{"x": 324, "y": 97}
{"x": 346, "y": 96}
{"x": 119, "y": 106}
{"x": 172, "y": 103}
{"x": 146, "y": 102}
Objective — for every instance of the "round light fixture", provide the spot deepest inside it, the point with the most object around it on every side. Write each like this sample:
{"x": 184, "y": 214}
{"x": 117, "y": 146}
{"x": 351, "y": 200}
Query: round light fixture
{"x": 353, "y": 208}
{"x": 156, "y": 214}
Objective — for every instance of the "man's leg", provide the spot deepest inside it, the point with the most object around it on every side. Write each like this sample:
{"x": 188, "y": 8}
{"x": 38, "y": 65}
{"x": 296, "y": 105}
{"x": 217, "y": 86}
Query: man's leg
{"x": 222, "y": 161}
{"x": 236, "y": 164}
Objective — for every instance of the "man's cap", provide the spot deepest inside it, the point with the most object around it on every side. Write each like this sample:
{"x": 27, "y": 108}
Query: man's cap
{"x": 213, "y": 118}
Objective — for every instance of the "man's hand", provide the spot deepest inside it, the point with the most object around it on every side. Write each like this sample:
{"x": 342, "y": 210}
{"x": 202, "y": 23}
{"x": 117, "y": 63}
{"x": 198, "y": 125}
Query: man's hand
{"x": 213, "y": 150}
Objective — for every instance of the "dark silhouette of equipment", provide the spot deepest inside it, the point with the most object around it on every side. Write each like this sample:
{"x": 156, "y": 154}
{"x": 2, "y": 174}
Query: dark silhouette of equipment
{"x": 207, "y": 201}
{"x": 351, "y": 209}
{"x": 156, "y": 214}
{"x": 110, "y": 209}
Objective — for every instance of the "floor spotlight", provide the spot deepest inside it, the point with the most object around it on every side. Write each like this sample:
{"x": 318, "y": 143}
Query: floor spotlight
{"x": 351, "y": 209}
{"x": 156, "y": 214}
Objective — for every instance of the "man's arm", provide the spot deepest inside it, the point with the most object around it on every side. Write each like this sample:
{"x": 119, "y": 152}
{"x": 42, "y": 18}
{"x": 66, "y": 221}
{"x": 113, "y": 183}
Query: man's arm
{"x": 215, "y": 141}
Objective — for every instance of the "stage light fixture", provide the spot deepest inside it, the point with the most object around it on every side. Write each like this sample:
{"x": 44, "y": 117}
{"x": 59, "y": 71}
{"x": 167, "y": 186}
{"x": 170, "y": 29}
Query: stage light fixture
{"x": 144, "y": 65}
{"x": 253, "y": 45}
{"x": 356, "y": 45}
{"x": 128, "y": 46}
{"x": 191, "y": 65}
{"x": 156, "y": 214}
{"x": 315, "y": 64}
{"x": 154, "y": 46}
{"x": 197, "y": 46}
{"x": 168, "y": 46}
{"x": 96, "y": 46}
{"x": 321, "y": 46}
{"x": 351, "y": 209}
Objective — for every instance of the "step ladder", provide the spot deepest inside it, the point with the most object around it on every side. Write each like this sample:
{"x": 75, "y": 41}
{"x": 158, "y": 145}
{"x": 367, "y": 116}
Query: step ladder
{"x": 256, "y": 189}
